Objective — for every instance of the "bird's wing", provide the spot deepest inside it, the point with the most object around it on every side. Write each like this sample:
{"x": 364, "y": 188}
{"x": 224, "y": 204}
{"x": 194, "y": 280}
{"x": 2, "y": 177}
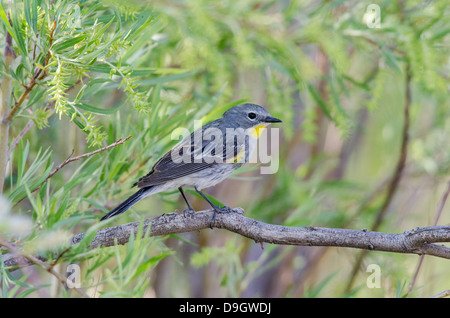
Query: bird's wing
{"x": 187, "y": 157}
{"x": 166, "y": 170}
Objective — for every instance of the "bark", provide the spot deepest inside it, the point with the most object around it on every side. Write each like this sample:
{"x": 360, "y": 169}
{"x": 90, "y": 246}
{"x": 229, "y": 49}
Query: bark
{"x": 421, "y": 241}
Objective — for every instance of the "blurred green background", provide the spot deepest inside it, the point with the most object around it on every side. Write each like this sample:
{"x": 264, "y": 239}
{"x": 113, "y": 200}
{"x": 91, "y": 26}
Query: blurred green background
{"x": 333, "y": 73}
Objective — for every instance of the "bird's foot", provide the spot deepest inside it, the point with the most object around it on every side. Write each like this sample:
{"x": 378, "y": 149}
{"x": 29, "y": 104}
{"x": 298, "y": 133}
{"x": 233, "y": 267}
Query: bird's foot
{"x": 219, "y": 209}
{"x": 223, "y": 209}
{"x": 188, "y": 211}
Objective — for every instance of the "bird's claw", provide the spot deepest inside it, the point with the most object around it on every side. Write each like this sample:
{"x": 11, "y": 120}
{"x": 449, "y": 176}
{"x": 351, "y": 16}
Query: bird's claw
{"x": 223, "y": 209}
{"x": 189, "y": 212}
{"x": 218, "y": 209}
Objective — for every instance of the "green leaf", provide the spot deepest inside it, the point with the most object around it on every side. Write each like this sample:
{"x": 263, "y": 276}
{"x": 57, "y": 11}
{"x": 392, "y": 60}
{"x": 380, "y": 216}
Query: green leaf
{"x": 73, "y": 220}
{"x": 95, "y": 204}
{"x": 18, "y": 32}
{"x": 336, "y": 98}
{"x": 320, "y": 102}
{"x": 71, "y": 112}
{"x": 390, "y": 58}
{"x": 440, "y": 34}
{"x": 34, "y": 20}
{"x": 313, "y": 292}
{"x": 13, "y": 30}
{"x": 65, "y": 43}
{"x": 140, "y": 24}
{"x": 364, "y": 86}
{"x": 36, "y": 95}
{"x": 99, "y": 33}
{"x": 169, "y": 78}
{"x": 55, "y": 217}
{"x": 32, "y": 178}
{"x": 30, "y": 8}
{"x": 23, "y": 154}
{"x": 27, "y": 9}
{"x": 30, "y": 290}
{"x": 96, "y": 110}
{"x": 150, "y": 262}
{"x": 4, "y": 19}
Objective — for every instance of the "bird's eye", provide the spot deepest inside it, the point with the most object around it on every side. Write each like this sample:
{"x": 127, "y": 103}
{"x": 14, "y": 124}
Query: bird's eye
{"x": 251, "y": 115}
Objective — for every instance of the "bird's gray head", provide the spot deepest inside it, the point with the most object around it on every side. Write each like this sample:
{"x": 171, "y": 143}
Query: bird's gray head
{"x": 249, "y": 115}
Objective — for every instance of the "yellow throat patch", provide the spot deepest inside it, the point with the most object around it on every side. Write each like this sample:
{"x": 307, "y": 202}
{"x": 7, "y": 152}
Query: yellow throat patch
{"x": 258, "y": 130}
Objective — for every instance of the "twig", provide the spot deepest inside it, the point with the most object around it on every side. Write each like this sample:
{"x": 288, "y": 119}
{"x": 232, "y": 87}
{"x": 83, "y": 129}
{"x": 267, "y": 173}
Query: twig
{"x": 418, "y": 241}
{"x": 436, "y": 219}
{"x": 21, "y": 134}
{"x": 114, "y": 144}
{"x": 442, "y": 204}
{"x": 69, "y": 160}
{"x": 5, "y": 116}
{"x": 31, "y": 121}
{"x": 37, "y": 77}
{"x": 445, "y": 293}
{"x": 59, "y": 257}
{"x": 34, "y": 260}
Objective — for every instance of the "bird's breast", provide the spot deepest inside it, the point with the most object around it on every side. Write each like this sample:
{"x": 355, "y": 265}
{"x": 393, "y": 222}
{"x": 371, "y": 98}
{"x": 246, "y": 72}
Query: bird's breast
{"x": 256, "y": 131}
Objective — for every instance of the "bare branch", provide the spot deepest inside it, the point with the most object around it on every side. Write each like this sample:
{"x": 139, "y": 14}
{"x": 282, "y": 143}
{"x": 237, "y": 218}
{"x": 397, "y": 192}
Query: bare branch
{"x": 114, "y": 144}
{"x": 69, "y": 160}
{"x": 418, "y": 241}
{"x": 31, "y": 121}
{"x": 20, "y": 135}
{"x": 39, "y": 74}
{"x": 443, "y": 294}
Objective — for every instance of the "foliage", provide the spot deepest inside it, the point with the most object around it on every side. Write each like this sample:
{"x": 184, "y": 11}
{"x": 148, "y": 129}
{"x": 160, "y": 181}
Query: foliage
{"x": 86, "y": 73}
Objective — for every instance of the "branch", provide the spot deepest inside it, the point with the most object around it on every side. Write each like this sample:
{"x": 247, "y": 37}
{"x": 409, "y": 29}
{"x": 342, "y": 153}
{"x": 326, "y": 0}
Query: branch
{"x": 37, "y": 77}
{"x": 31, "y": 121}
{"x": 443, "y": 294}
{"x": 7, "y": 115}
{"x": 70, "y": 159}
{"x": 418, "y": 241}
{"x": 114, "y": 144}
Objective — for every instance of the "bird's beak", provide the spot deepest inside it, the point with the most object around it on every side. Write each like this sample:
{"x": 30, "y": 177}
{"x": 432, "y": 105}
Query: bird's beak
{"x": 270, "y": 119}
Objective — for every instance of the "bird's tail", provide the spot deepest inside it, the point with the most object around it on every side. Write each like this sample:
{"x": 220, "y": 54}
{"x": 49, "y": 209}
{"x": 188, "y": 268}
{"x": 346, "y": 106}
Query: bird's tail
{"x": 128, "y": 203}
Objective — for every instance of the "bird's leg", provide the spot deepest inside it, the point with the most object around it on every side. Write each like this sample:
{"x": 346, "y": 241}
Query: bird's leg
{"x": 190, "y": 210}
{"x": 216, "y": 208}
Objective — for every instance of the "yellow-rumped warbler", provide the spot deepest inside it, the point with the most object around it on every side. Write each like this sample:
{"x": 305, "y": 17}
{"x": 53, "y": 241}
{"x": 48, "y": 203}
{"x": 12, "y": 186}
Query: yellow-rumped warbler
{"x": 206, "y": 157}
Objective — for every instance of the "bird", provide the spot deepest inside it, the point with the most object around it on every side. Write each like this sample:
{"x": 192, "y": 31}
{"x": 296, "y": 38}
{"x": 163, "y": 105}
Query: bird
{"x": 204, "y": 158}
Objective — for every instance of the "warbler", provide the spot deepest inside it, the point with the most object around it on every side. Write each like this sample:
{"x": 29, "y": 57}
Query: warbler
{"x": 205, "y": 157}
